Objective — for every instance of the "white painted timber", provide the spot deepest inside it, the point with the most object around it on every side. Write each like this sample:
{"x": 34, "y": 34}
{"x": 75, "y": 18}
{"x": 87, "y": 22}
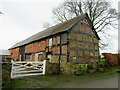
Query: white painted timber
{"x": 21, "y": 69}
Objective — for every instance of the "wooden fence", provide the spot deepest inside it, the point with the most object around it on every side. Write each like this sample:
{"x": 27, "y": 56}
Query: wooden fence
{"x": 21, "y": 69}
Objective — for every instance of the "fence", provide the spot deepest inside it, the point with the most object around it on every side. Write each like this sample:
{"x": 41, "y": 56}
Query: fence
{"x": 21, "y": 69}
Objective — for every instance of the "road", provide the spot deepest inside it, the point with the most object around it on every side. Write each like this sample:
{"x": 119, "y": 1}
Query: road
{"x": 109, "y": 81}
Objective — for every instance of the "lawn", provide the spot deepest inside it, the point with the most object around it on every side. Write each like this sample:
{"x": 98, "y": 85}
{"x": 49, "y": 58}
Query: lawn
{"x": 60, "y": 81}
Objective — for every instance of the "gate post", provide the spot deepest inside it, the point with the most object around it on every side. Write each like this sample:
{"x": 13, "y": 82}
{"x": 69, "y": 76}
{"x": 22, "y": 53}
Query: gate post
{"x": 44, "y": 67}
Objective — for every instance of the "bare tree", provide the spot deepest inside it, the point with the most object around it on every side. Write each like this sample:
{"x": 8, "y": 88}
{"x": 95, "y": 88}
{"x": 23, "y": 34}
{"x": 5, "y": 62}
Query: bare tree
{"x": 99, "y": 12}
{"x": 1, "y": 12}
{"x": 46, "y": 25}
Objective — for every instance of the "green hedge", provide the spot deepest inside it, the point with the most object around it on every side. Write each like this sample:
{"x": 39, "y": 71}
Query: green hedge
{"x": 6, "y": 70}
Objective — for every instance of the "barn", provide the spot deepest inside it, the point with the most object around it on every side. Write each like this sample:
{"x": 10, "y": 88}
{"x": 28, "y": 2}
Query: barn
{"x": 73, "y": 41}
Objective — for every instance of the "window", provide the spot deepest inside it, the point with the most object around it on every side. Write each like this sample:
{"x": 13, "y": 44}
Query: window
{"x": 28, "y": 56}
{"x": 74, "y": 57}
{"x": 50, "y": 42}
{"x": 49, "y": 56}
{"x": 40, "y": 56}
{"x": 64, "y": 38}
{"x": 38, "y": 44}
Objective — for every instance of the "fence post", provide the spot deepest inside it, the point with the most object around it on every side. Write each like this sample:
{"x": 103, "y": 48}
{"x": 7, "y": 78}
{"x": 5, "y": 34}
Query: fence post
{"x": 11, "y": 74}
{"x": 44, "y": 66}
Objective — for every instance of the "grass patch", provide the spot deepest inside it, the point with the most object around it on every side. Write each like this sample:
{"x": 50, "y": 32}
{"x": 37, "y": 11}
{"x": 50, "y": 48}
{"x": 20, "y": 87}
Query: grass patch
{"x": 102, "y": 59}
{"x": 56, "y": 80}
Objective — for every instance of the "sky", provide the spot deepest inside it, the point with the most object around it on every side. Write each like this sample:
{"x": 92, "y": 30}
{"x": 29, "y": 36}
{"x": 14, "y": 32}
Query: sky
{"x": 23, "y": 18}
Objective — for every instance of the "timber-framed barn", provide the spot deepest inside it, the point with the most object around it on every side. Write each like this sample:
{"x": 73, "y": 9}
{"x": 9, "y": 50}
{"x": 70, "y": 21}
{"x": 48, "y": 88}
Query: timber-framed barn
{"x": 73, "y": 41}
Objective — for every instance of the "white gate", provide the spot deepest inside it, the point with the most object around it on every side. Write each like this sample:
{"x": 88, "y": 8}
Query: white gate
{"x": 21, "y": 69}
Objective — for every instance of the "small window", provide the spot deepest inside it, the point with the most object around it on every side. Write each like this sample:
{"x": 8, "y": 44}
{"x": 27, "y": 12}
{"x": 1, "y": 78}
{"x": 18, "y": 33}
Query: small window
{"x": 40, "y": 56}
{"x": 50, "y": 42}
{"x": 49, "y": 57}
{"x": 74, "y": 57}
{"x": 28, "y": 56}
{"x": 38, "y": 44}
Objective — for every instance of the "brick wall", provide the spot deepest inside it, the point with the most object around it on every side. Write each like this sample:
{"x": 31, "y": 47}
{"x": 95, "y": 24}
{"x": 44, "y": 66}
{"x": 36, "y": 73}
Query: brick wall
{"x": 29, "y": 48}
{"x": 33, "y": 47}
{"x": 36, "y": 47}
{"x": 15, "y": 54}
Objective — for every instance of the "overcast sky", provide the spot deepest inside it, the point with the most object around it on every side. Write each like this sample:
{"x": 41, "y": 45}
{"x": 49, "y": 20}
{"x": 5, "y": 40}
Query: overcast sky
{"x": 23, "y": 18}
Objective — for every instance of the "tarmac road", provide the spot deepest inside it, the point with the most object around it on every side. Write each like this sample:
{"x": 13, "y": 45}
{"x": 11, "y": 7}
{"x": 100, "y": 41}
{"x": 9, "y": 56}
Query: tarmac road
{"x": 107, "y": 81}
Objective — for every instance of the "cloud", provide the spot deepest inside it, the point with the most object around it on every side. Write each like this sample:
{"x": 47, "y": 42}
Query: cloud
{"x": 23, "y": 19}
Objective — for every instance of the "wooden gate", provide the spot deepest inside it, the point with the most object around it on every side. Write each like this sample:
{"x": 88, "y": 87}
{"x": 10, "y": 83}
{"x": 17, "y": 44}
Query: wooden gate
{"x": 21, "y": 69}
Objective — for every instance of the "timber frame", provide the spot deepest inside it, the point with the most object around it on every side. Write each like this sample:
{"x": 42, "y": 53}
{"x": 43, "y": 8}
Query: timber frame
{"x": 74, "y": 41}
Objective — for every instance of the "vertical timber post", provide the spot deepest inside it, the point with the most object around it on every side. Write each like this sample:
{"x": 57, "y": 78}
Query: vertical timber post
{"x": 60, "y": 53}
{"x": 44, "y": 67}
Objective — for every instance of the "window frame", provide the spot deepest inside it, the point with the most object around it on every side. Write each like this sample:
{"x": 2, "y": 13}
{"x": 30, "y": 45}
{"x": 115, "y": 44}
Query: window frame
{"x": 50, "y": 42}
{"x": 40, "y": 56}
{"x": 27, "y": 56}
{"x": 39, "y": 44}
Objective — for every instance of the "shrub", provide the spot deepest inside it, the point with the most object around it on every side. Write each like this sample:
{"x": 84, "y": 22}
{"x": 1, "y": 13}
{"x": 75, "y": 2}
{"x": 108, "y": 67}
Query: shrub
{"x": 112, "y": 59}
{"x": 6, "y": 70}
{"x": 102, "y": 59}
{"x": 92, "y": 66}
{"x": 54, "y": 68}
{"x": 81, "y": 68}
{"x": 85, "y": 68}
{"x": 107, "y": 65}
{"x": 101, "y": 65}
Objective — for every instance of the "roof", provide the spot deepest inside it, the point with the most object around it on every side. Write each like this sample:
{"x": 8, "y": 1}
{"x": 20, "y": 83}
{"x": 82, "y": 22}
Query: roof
{"x": 52, "y": 30}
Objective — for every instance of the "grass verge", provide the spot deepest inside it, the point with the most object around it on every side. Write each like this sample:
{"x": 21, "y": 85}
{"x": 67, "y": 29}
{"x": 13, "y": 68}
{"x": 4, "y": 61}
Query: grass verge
{"x": 49, "y": 81}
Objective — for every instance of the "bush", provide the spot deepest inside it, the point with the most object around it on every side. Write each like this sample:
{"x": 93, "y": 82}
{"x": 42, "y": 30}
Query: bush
{"x": 101, "y": 65}
{"x": 85, "y": 68}
{"x": 92, "y": 67}
{"x": 54, "y": 68}
{"x": 107, "y": 65}
{"x": 6, "y": 59}
{"x": 6, "y": 70}
{"x": 102, "y": 59}
{"x": 81, "y": 68}
{"x": 112, "y": 59}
